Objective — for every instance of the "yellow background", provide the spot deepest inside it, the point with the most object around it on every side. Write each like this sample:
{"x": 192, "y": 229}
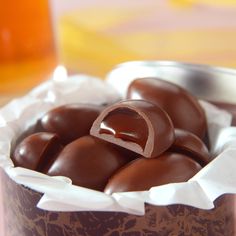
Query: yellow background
{"x": 94, "y": 39}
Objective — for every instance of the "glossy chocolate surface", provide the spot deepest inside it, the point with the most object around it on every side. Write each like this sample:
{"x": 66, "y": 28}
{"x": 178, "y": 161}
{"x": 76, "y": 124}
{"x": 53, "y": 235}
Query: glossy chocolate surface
{"x": 37, "y": 151}
{"x": 189, "y": 144}
{"x": 70, "y": 121}
{"x": 183, "y": 108}
{"x": 142, "y": 174}
{"x": 89, "y": 162}
{"x": 136, "y": 125}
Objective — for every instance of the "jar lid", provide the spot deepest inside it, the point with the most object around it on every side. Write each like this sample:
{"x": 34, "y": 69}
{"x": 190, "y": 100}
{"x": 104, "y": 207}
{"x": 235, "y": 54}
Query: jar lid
{"x": 206, "y": 82}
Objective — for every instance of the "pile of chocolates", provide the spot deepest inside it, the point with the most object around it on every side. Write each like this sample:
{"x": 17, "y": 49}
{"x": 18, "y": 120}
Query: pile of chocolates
{"x": 153, "y": 137}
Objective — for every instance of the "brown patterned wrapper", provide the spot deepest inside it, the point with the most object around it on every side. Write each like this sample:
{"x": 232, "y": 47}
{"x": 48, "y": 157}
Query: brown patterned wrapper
{"x": 22, "y": 217}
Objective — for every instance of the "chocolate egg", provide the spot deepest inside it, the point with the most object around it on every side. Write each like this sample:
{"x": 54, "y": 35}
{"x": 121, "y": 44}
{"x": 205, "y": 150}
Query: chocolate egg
{"x": 142, "y": 174}
{"x": 88, "y": 162}
{"x": 137, "y": 125}
{"x": 71, "y": 121}
{"x": 189, "y": 144}
{"x": 183, "y": 108}
{"x": 37, "y": 151}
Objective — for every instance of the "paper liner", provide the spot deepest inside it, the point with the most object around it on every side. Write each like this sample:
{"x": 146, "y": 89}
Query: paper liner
{"x": 58, "y": 194}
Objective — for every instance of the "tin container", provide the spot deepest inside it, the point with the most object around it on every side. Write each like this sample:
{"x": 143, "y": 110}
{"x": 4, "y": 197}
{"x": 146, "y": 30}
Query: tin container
{"x": 214, "y": 84}
{"x": 206, "y": 82}
{"x": 23, "y": 217}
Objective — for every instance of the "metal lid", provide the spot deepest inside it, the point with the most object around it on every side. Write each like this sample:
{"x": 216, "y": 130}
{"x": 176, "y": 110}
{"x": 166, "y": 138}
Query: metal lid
{"x": 206, "y": 82}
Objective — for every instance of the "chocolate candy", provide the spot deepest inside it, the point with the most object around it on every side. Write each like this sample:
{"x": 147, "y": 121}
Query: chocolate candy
{"x": 37, "y": 151}
{"x": 89, "y": 162}
{"x": 184, "y": 109}
{"x": 142, "y": 174}
{"x": 138, "y": 129}
{"x": 137, "y": 125}
{"x": 71, "y": 121}
{"x": 190, "y": 145}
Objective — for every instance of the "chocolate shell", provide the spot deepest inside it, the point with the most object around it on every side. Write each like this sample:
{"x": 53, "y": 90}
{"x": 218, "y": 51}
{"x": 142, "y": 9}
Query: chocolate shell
{"x": 142, "y": 174}
{"x": 70, "y": 121}
{"x": 88, "y": 162}
{"x": 137, "y": 125}
{"x": 37, "y": 151}
{"x": 189, "y": 144}
{"x": 183, "y": 108}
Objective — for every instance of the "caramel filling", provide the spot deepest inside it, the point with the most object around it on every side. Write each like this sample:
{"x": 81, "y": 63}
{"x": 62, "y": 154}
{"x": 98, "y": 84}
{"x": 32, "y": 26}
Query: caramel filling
{"x": 127, "y": 125}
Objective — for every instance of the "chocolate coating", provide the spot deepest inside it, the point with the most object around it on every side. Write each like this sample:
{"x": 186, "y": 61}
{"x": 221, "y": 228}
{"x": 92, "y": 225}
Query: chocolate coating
{"x": 142, "y": 174}
{"x": 37, "y": 151}
{"x": 189, "y": 144}
{"x": 88, "y": 162}
{"x": 137, "y": 125}
{"x": 183, "y": 108}
{"x": 71, "y": 121}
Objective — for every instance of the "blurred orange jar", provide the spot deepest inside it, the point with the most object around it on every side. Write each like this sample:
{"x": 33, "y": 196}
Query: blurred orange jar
{"x": 27, "y": 48}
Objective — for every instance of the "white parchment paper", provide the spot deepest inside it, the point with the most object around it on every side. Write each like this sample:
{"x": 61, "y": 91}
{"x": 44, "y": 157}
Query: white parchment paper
{"x": 217, "y": 178}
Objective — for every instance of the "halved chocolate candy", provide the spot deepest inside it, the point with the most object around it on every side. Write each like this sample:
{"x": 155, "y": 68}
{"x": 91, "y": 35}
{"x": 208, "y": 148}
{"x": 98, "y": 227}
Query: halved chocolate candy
{"x": 37, "y": 151}
{"x": 70, "y": 121}
{"x": 183, "y": 108}
{"x": 89, "y": 162}
{"x": 142, "y": 174}
{"x": 189, "y": 144}
{"x": 137, "y": 125}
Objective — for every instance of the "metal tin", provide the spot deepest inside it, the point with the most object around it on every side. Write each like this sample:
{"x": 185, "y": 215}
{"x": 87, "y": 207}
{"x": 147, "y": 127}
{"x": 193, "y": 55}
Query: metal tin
{"x": 216, "y": 84}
